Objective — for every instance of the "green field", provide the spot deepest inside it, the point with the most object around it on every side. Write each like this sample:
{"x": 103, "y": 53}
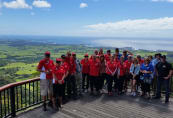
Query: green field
{"x": 19, "y": 59}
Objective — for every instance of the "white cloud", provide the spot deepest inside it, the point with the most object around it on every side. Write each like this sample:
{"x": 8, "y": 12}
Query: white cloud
{"x": 83, "y": 5}
{"x": 136, "y": 27}
{"x": 41, "y": 4}
{"x": 16, "y": 4}
{"x": 162, "y": 1}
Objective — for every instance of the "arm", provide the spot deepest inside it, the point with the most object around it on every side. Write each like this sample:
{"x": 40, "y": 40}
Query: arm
{"x": 130, "y": 53}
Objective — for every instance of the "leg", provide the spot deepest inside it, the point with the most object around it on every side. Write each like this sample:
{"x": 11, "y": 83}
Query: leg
{"x": 91, "y": 83}
{"x": 166, "y": 84}
{"x": 83, "y": 80}
{"x": 159, "y": 84}
{"x": 74, "y": 86}
{"x": 69, "y": 86}
{"x": 88, "y": 81}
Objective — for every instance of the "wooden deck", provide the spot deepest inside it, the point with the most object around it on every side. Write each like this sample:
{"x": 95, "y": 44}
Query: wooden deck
{"x": 124, "y": 106}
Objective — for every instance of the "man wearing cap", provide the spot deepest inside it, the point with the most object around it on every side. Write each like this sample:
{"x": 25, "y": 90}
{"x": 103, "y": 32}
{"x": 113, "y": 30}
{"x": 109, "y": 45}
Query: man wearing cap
{"x": 71, "y": 82}
{"x": 45, "y": 66}
{"x": 85, "y": 72}
{"x": 164, "y": 73}
{"x": 59, "y": 74}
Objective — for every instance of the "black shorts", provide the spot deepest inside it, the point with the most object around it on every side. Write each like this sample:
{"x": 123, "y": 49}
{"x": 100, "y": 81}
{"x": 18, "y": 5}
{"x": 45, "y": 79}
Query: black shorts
{"x": 58, "y": 90}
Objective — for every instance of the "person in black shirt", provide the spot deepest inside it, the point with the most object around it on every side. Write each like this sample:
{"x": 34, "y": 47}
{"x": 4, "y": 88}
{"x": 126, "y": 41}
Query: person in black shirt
{"x": 164, "y": 73}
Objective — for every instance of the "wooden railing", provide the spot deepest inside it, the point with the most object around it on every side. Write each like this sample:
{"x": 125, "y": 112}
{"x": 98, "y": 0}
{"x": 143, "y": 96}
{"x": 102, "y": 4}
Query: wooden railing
{"x": 18, "y": 96}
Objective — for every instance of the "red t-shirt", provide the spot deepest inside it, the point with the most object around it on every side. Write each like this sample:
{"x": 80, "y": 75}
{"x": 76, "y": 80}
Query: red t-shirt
{"x": 59, "y": 73}
{"x": 111, "y": 67}
{"x": 127, "y": 65}
{"x": 107, "y": 57}
{"x": 94, "y": 68}
{"x": 72, "y": 66}
{"x": 121, "y": 69}
{"x": 65, "y": 65}
{"x": 85, "y": 66}
{"x": 47, "y": 65}
{"x": 141, "y": 62}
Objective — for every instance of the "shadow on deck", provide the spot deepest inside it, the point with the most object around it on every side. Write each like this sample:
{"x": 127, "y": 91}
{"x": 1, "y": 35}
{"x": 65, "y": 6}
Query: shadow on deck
{"x": 104, "y": 106}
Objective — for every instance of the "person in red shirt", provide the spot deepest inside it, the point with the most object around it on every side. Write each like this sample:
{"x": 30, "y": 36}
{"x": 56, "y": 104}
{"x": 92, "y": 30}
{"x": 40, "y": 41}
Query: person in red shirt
{"x": 59, "y": 74}
{"x": 111, "y": 68}
{"x": 140, "y": 60}
{"x": 116, "y": 61}
{"x": 127, "y": 65}
{"x": 71, "y": 82}
{"x": 108, "y": 55}
{"x": 66, "y": 67}
{"x": 121, "y": 75}
{"x": 94, "y": 74}
{"x": 85, "y": 72}
{"x": 45, "y": 66}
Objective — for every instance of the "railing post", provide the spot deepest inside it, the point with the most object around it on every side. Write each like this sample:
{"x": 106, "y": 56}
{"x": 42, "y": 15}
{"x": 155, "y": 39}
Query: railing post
{"x": 12, "y": 98}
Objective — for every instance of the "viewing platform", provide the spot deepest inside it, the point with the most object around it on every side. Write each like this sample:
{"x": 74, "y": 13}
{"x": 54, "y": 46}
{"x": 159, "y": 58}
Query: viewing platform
{"x": 104, "y": 106}
{"x": 23, "y": 100}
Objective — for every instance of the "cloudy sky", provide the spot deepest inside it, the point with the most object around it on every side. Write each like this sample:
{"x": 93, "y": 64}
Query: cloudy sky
{"x": 109, "y": 18}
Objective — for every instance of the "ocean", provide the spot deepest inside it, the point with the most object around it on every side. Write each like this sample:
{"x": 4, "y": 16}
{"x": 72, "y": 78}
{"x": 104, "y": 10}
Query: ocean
{"x": 135, "y": 43}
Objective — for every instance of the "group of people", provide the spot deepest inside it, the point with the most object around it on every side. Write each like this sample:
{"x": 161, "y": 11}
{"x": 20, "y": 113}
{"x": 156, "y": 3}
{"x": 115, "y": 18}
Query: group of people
{"x": 69, "y": 77}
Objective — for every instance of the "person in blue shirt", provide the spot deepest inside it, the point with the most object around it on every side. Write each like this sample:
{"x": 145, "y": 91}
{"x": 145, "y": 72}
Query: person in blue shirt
{"x": 134, "y": 73}
{"x": 117, "y": 53}
{"x": 146, "y": 77}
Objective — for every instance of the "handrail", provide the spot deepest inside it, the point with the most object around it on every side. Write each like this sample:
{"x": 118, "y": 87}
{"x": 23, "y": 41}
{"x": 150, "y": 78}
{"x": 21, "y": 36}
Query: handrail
{"x": 17, "y": 84}
{"x": 18, "y": 96}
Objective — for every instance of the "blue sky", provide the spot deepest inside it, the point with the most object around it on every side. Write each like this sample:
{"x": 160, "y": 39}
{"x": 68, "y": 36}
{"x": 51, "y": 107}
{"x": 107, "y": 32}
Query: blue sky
{"x": 115, "y": 18}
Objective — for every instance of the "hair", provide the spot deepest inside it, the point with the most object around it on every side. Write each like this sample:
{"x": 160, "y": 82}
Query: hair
{"x": 109, "y": 51}
{"x": 147, "y": 60}
{"x": 117, "y": 49}
{"x": 150, "y": 56}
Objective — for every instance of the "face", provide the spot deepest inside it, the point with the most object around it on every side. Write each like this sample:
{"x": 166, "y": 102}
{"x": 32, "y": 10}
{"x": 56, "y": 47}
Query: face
{"x": 129, "y": 58}
{"x": 47, "y": 57}
{"x": 74, "y": 56}
{"x": 124, "y": 53}
{"x": 86, "y": 57}
{"x": 58, "y": 64}
{"x": 163, "y": 59}
{"x": 101, "y": 58}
